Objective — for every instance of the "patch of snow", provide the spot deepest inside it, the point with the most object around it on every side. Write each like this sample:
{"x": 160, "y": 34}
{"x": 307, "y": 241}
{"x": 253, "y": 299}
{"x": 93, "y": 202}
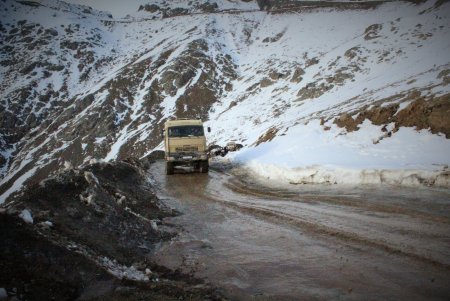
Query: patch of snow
{"x": 68, "y": 165}
{"x": 99, "y": 140}
{"x": 89, "y": 200}
{"x": 120, "y": 198}
{"x": 46, "y": 224}
{"x": 18, "y": 184}
{"x": 91, "y": 178}
{"x": 122, "y": 271}
{"x": 402, "y": 106}
{"x": 26, "y": 216}
{"x": 154, "y": 225}
{"x": 95, "y": 161}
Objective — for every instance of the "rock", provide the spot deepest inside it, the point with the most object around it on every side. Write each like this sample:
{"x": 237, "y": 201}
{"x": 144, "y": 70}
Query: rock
{"x": 372, "y": 31}
{"x": 265, "y": 82}
{"x": 209, "y": 7}
{"x": 297, "y": 76}
{"x": 311, "y": 62}
{"x": 151, "y": 8}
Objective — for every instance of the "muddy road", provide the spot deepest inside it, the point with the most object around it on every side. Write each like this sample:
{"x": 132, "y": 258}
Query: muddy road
{"x": 307, "y": 242}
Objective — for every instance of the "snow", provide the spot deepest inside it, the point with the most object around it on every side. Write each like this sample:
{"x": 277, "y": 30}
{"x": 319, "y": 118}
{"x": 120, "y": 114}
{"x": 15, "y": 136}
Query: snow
{"x": 3, "y": 293}
{"x": 25, "y": 215}
{"x": 120, "y": 198}
{"x": 99, "y": 140}
{"x": 46, "y": 224}
{"x": 91, "y": 178}
{"x": 122, "y": 271}
{"x": 302, "y": 147}
{"x": 67, "y": 165}
{"x": 334, "y": 175}
{"x": 18, "y": 184}
{"x": 405, "y": 57}
{"x": 154, "y": 225}
{"x": 409, "y": 157}
{"x": 89, "y": 200}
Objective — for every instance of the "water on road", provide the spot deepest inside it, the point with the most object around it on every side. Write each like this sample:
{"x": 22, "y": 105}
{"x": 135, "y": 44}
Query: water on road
{"x": 308, "y": 242}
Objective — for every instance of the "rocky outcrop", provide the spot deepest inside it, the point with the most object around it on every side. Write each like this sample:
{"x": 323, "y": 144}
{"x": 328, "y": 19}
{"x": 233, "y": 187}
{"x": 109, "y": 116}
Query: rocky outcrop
{"x": 420, "y": 113}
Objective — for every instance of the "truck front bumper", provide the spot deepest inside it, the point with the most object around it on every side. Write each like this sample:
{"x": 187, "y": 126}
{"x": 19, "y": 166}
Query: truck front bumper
{"x": 186, "y": 157}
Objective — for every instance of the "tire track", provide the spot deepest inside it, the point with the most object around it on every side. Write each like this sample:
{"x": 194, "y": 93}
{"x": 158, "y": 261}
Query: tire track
{"x": 322, "y": 230}
{"x": 266, "y": 193}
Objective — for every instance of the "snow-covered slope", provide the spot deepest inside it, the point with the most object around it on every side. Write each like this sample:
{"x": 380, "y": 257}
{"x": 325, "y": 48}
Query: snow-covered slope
{"x": 331, "y": 98}
{"x": 339, "y": 86}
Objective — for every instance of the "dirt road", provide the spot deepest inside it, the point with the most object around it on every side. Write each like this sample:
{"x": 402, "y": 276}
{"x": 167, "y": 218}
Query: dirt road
{"x": 308, "y": 242}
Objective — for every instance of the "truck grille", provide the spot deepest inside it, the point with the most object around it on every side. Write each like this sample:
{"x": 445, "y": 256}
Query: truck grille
{"x": 187, "y": 148}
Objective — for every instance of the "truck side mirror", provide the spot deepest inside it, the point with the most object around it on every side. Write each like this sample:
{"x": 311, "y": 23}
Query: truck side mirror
{"x": 209, "y": 129}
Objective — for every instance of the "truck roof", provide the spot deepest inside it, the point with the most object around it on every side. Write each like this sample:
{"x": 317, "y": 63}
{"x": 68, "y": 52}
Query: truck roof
{"x": 177, "y": 122}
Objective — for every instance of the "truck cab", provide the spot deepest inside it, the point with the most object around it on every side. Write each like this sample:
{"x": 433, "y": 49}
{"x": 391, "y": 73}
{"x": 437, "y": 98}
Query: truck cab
{"x": 185, "y": 145}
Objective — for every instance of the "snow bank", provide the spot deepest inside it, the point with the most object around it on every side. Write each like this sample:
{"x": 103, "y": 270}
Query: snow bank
{"x": 309, "y": 155}
{"x": 328, "y": 175}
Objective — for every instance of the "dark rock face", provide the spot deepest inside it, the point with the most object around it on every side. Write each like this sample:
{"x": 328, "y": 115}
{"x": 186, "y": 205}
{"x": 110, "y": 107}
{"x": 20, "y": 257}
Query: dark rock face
{"x": 151, "y": 8}
{"x": 208, "y": 7}
{"x": 264, "y": 4}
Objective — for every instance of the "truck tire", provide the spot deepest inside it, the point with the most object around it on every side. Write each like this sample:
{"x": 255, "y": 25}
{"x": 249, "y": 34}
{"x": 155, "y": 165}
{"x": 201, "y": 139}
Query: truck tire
{"x": 204, "y": 166}
{"x": 169, "y": 168}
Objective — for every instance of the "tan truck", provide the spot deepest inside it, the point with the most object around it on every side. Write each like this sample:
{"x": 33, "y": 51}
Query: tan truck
{"x": 185, "y": 145}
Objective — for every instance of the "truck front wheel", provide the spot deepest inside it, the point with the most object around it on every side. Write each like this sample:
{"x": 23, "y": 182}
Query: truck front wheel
{"x": 169, "y": 168}
{"x": 204, "y": 166}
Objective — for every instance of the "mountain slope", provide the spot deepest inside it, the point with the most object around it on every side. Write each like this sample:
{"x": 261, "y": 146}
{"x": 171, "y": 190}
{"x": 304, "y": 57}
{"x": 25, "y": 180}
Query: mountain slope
{"x": 295, "y": 89}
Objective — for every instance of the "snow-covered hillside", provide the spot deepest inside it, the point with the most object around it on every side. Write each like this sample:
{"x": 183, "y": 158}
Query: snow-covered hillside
{"x": 334, "y": 91}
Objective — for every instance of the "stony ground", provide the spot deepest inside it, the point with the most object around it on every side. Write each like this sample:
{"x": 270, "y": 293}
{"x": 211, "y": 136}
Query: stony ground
{"x": 88, "y": 236}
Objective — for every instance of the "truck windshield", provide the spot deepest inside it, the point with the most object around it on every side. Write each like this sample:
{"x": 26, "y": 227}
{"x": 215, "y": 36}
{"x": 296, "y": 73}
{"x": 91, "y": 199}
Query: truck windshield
{"x": 186, "y": 131}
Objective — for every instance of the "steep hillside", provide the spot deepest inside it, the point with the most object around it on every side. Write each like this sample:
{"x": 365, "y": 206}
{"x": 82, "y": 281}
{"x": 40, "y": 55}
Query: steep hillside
{"x": 299, "y": 83}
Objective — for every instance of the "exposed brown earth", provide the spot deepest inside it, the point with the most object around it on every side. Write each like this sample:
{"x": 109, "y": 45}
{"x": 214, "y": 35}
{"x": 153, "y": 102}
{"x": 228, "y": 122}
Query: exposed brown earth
{"x": 421, "y": 113}
{"x": 268, "y": 136}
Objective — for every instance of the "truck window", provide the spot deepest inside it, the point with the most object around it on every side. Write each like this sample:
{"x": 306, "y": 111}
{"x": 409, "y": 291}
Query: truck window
{"x": 186, "y": 131}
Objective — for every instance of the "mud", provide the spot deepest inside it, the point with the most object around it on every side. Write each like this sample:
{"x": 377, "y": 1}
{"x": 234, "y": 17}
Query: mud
{"x": 309, "y": 242}
{"x": 92, "y": 234}
{"x": 121, "y": 232}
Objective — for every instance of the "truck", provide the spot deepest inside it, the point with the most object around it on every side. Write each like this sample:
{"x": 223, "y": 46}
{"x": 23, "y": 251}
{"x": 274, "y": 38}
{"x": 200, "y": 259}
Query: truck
{"x": 185, "y": 145}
